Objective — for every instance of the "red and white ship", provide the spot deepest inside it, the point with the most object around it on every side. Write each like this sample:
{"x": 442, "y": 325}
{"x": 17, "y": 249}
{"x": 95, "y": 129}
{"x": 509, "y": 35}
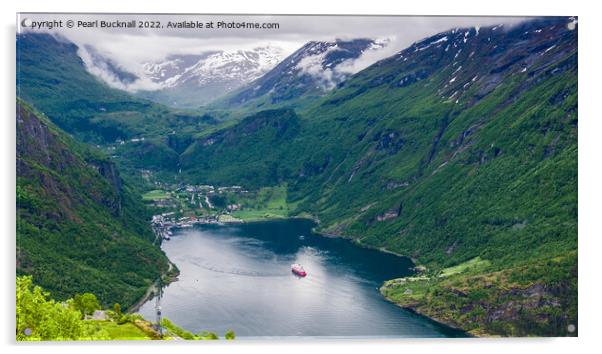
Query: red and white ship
{"x": 298, "y": 270}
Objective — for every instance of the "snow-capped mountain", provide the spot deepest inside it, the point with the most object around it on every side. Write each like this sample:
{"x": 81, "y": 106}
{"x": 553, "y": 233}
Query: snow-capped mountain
{"x": 189, "y": 81}
{"x": 210, "y": 67}
{"x": 172, "y": 68}
{"x": 193, "y": 80}
{"x": 317, "y": 67}
{"x": 185, "y": 81}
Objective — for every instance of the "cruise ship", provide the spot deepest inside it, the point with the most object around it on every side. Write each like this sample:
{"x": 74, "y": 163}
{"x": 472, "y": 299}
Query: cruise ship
{"x": 298, "y": 270}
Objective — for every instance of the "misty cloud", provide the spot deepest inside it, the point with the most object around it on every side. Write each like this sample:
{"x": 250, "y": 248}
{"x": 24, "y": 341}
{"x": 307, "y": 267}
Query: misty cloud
{"x": 312, "y": 65}
{"x": 130, "y": 49}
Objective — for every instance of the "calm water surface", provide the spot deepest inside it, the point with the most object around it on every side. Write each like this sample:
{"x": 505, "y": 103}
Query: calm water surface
{"x": 238, "y": 277}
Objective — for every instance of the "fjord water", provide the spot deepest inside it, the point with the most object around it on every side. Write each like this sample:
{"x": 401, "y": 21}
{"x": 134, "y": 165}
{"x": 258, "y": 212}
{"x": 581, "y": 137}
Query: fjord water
{"x": 238, "y": 277}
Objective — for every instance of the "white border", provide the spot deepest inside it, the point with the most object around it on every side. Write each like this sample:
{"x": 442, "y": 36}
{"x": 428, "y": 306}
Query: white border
{"x": 589, "y": 170}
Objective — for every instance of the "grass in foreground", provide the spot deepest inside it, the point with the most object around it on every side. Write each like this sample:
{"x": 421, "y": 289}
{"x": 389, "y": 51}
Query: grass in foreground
{"x": 125, "y": 331}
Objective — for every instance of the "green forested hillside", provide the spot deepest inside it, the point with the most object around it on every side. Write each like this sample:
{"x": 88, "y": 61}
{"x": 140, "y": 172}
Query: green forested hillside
{"x": 79, "y": 227}
{"x": 464, "y": 145}
{"x": 459, "y": 151}
{"x": 53, "y": 78}
{"x": 405, "y": 167}
{"x": 230, "y": 156}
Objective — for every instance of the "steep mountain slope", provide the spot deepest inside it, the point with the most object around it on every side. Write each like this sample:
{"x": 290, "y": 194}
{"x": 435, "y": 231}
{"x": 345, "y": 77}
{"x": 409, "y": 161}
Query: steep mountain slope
{"x": 53, "y": 78}
{"x": 312, "y": 70}
{"x": 190, "y": 81}
{"x": 79, "y": 227}
{"x": 233, "y": 155}
{"x": 463, "y": 145}
{"x": 106, "y": 66}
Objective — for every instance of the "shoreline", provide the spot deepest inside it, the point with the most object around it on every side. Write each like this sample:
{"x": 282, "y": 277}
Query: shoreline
{"x": 417, "y": 268}
{"x": 359, "y": 244}
{"x": 153, "y": 289}
{"x": 432, "y": 319}
{"x": 323, "y": 234}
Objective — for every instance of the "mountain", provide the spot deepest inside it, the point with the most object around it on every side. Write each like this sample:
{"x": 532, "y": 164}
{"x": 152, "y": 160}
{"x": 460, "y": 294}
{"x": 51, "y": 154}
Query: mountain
{"x": 190, "y": 81}
{"x": 312, "y": 70}
{"x": 80, "y": 228}
{"x": 52, "y": 77}
{"x": 106, "y": 66}
{"x": 459, "y": 151}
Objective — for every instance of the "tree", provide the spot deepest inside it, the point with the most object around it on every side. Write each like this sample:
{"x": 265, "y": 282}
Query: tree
{"x": 40, "y": 318}
{"x": 117, "y": 309}
{"x": 86, "y": 303}
{"x": 230, "y": 335}
{"x": 206, "y": 335}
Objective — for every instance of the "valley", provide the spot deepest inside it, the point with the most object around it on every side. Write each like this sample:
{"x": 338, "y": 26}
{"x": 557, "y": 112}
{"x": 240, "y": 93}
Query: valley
{"x": 459, "y": 152}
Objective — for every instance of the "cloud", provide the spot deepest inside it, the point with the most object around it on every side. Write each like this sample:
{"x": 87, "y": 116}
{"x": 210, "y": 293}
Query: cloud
{"x": 102, "y": 70}
{"x": 420, "y": 28}
{"x": 385, "y": 47}
{"x": 131, "y": 48}
{"x": 312, "y": 65}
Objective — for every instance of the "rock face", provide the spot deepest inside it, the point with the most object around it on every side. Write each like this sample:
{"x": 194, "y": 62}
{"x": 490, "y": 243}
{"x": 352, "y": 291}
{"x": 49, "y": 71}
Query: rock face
{"x": 37, "y": 143}
{"x": 511, "y": 302}
{"x": 391, "y": 214}
{"x": 79, "y": 227}
{"x": 109, "y": 172}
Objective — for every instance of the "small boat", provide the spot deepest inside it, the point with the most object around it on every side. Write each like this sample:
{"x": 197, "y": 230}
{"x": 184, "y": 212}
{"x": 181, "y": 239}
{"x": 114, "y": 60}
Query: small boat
{"x": 297, "y": 269}
{"x": 302, "y": 237}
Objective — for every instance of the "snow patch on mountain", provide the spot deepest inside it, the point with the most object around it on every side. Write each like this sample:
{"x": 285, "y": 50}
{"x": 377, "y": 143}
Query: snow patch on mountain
{"x": 228, "y": 69}
{"x": 239, "y": 67}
